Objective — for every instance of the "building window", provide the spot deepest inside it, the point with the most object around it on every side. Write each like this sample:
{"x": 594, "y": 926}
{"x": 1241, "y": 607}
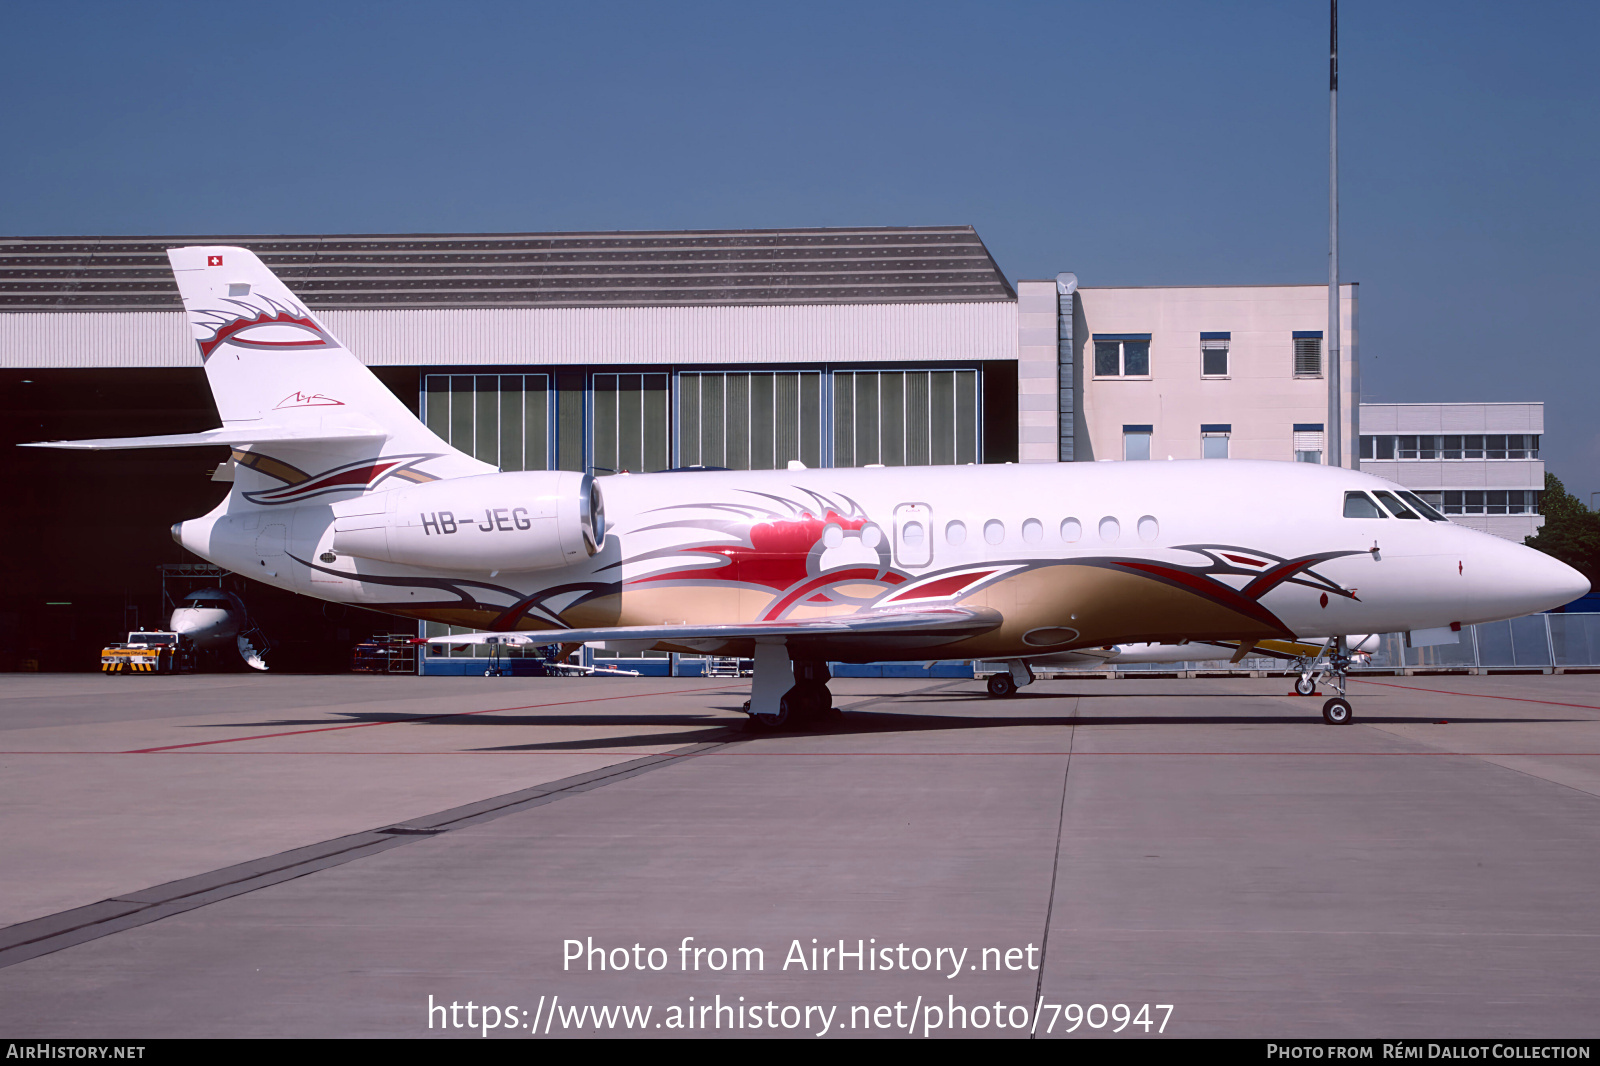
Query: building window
{"x": 1491, "y": 501}
{"x": 1136, "y": 442}
{"x": 1308, "y": 353}
{"x": 905, "y": 417}
{"x": 502, "y": 419}
{"x": 757, "y": 420}
{"x": 1214, "y": 440}
{"x": 1308, "y": 442}
{"x": 1450, "y": 447}
{"x": 1214, "y": 354}
{"x": 1122, "y": 355}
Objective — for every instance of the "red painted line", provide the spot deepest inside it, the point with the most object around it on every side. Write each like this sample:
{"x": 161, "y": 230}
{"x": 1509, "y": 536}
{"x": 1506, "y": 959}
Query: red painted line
{"x": 403, "y": 721}
{"x": 1479, "y": 695}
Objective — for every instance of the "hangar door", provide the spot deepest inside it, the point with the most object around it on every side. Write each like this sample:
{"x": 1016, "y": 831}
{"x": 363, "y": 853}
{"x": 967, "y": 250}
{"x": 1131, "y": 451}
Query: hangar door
{"x": 756, "y": 420}
{"x": 502, "y": 419}
{"x": 905, "y": 417}
{"x": 629, "y": 423}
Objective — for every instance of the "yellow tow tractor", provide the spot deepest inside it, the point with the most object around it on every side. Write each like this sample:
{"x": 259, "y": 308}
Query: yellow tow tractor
{"x": 148, "y": 653}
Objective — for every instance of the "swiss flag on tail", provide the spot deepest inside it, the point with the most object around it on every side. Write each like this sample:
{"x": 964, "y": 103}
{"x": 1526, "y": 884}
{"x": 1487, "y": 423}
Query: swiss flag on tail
{"x": 213, "y": 260}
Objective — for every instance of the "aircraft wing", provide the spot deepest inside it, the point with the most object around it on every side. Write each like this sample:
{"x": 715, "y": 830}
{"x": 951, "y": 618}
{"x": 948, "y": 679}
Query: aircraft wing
{"x": 936, "y": 626}
{"x": 230, "y": 436}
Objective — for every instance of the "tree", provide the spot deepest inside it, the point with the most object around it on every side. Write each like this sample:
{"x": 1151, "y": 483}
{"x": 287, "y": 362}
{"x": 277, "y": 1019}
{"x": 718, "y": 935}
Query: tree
{"x": 1571, "y": 531}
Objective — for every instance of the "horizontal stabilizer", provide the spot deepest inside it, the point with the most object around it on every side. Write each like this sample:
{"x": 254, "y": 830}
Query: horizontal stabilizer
{"x": 228, "y": 436}
{"x": 951, "y": 622}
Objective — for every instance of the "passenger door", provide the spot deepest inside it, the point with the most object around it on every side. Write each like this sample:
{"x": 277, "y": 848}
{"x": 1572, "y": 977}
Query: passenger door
{"x": 913, "y": 535}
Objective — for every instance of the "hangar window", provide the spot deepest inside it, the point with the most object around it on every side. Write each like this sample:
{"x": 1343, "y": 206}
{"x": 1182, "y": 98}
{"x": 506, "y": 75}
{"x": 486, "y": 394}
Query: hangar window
{"x": 630, "y": 423}
{"x": 502, "y": 419}
{"x": 905, "y": 417}
{"x": 758, "y": 420}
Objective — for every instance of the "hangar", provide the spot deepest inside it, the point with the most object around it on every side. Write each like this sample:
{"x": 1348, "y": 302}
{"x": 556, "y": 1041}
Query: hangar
{"x": 745, "y": 349}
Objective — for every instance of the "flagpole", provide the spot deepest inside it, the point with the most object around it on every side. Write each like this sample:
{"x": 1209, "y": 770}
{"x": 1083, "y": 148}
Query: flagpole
{"x": 1335, "y": 406}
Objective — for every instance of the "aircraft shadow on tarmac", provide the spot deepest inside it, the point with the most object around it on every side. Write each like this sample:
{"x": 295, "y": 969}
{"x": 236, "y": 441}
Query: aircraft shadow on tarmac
{"x": 873, "y": 721}
{"x": 703, "y": 728}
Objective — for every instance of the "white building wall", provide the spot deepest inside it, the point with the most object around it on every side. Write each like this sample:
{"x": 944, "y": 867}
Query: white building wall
{"x": 1260, "y": 398}
{"x": 804, "y": 333}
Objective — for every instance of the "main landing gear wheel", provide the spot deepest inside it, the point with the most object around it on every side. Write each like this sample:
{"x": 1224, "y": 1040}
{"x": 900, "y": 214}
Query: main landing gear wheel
{"x": 1305, "y": 686}
{"x": 1337, "y": 711}
{"x": 818, "y": 701}
{"x": 1002, "y": 685}
{"x": 788, "y": 716}
{"x": 802, "y": 704}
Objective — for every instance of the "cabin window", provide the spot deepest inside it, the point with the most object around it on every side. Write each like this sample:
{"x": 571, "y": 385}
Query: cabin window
{"x": 1071, "y": 529}
{"x": 1396, "y": 508}
{"x": 1360, "y": 505}
{"x": 955, "y": 533}
{"x": 994, "y": 531}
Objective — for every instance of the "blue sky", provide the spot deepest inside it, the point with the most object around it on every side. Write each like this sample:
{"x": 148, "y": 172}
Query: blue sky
{"x": 1151, "y": 143}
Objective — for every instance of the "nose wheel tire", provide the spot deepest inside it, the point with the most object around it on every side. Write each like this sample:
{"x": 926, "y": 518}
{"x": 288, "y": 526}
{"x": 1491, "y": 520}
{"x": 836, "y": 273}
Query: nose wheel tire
{"x": 1002, "y": 685}
{"x": 1305, "y": 686}
{"x": 1337, "y": 711}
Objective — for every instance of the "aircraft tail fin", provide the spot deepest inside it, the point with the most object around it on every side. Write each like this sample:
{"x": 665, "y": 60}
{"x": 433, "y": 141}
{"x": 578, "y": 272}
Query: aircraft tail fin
{"x": 283, "y": 381}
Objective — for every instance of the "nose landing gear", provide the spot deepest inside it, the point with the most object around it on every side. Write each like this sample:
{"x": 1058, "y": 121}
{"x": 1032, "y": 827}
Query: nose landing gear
{"x": 1329, "y": 669}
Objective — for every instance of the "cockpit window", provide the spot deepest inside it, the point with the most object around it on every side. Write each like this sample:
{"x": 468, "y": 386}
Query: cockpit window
{"x": 1421, "y": 505}
{"x": 1360, "y": 505}
{"x": 1396, "y": 508}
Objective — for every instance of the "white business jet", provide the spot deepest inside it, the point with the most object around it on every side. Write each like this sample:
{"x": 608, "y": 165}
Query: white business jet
{"x": 215, "y": 619}
{"x": 340, "y": 493}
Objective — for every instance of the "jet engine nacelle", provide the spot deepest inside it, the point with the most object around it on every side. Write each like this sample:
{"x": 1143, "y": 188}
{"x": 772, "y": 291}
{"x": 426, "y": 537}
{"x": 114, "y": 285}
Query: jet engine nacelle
{"x": 532, "y": 520}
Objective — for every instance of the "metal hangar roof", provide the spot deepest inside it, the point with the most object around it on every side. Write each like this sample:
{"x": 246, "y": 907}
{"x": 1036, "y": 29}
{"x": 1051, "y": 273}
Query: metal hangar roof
{"x": 912, "y": 264}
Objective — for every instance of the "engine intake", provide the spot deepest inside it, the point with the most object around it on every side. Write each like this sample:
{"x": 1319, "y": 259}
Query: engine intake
{"x": 531, "y": 520}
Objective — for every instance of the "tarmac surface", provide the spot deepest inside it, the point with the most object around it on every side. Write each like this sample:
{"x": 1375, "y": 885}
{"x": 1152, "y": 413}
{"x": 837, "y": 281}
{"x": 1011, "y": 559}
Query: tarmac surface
{"x": 232, "y": 855}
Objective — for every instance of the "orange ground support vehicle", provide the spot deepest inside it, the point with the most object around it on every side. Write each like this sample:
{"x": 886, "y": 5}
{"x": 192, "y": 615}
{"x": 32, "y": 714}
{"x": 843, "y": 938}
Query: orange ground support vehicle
{"x": 148, "y": 653}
